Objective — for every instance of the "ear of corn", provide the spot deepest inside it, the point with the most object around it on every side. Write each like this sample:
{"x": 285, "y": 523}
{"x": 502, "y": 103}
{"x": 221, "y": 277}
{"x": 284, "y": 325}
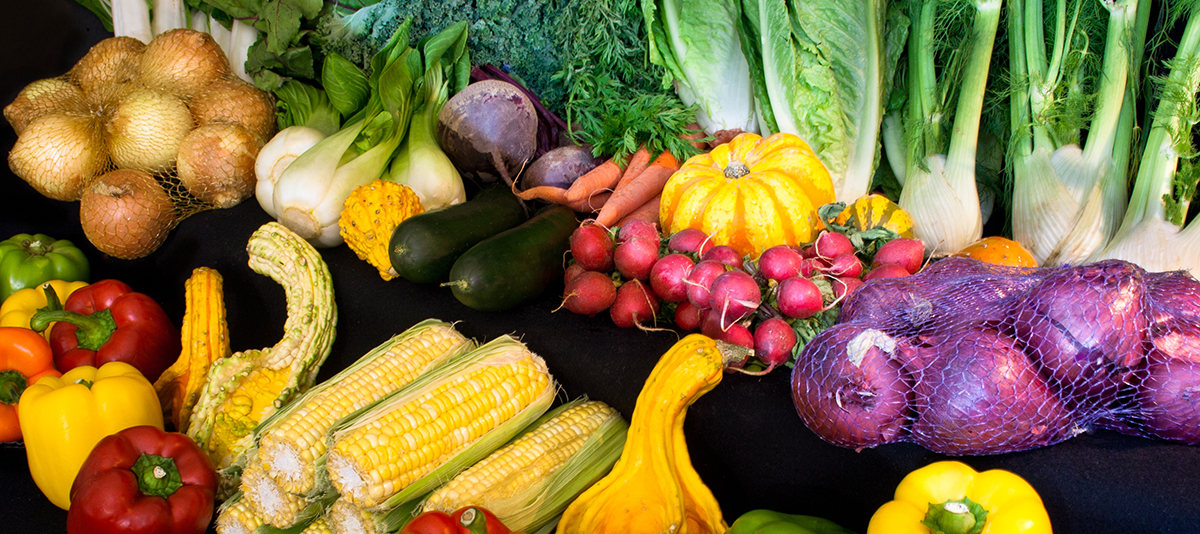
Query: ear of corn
{"x": 344, "y": 517}
{"x": 205, "y": 334}
{"x": 237, "y": 516}
{"x": 530, "y": 481}
{"x": 249, "y": 386}
{"x": 293, "y": 439}
{"x": 446, "y": 420}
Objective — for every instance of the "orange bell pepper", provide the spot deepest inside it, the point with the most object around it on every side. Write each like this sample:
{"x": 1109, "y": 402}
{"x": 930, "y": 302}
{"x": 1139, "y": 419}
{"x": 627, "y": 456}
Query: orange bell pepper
{"x": 25, "y": 357}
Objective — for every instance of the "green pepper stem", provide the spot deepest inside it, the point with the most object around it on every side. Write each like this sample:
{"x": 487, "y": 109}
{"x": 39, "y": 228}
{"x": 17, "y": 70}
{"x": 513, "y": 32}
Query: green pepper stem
{"x": 92, "y": 332}
{"x": 12, "y": 384}
{"x": 474, "y": 521}
{"x": 962, "y": 516}
{"x": 157, "y": 475}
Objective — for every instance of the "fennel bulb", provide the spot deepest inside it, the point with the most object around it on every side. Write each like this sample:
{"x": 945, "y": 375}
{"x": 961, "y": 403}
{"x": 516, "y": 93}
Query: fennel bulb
{"x": 699, "y": 43}
{"x": 1068, "y": 199}
{"x": 1150, "y": 234}
{"x": 420, "y": 163}
{"x": 822, "y": 71}
{"x": 938, "y": 163}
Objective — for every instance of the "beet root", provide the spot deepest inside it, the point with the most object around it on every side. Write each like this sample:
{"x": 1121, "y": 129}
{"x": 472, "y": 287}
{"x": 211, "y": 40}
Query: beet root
{"x": 489, "y": 130}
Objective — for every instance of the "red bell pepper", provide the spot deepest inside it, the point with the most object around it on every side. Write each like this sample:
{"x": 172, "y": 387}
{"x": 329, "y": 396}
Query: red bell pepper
{"x": 466, "y": 520}
{"x": 107, "y": 321}
{"x": 143, "y": 480}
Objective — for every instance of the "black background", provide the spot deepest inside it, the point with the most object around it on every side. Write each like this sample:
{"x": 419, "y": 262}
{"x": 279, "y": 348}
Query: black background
{"x": 744, "y": 436}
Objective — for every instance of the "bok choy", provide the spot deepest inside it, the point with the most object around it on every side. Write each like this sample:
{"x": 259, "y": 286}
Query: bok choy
{"x": 823, "y": 71}
{"x": 941, "y": 117}
{"x": 1069, "y": 193}
{"x": 1154, "y": 232}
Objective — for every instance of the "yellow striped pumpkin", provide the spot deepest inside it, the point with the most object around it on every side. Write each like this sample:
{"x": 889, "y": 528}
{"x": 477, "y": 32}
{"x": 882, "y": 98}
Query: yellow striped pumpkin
{"x": 752, "y": 193}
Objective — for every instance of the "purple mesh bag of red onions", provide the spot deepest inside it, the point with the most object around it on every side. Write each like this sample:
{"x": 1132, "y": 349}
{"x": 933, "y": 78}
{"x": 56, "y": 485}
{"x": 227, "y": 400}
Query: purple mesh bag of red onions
{"x": 969, "y": 358}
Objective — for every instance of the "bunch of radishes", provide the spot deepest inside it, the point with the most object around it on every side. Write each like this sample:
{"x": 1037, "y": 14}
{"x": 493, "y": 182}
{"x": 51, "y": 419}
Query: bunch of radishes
{"x": 773, "y": 304}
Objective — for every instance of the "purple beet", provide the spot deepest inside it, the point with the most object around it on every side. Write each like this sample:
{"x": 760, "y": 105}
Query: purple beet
{"x": 1169, "y": 394}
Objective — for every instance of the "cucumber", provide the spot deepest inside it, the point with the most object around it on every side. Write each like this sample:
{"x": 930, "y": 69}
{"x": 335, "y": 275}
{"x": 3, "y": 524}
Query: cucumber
{"x": 516, "y": 265}
{"x": 424, "y": 247}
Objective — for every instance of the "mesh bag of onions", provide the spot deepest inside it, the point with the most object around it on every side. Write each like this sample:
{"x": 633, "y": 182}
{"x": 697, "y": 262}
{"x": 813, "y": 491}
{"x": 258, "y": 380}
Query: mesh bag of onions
{"x": 142, "y": 135}
{"x": 969, "y": 358}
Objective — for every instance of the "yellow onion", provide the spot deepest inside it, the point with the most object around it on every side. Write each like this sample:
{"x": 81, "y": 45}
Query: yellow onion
{"x": 126, "y": 214}
{"x": 111, "y": 61}
{"x": 216, "y": 163}
{"x": 145, "y": 129}
{"x": 233, "y": 100}
{"x": 59, "y": 154}
{"x": 39, "y": 98}
{"x": 182, "y": 62}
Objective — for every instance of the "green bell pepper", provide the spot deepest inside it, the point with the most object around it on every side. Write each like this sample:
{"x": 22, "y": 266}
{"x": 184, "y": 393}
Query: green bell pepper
{"x": 29, "y": 260}
{"x": 768, "y": 522}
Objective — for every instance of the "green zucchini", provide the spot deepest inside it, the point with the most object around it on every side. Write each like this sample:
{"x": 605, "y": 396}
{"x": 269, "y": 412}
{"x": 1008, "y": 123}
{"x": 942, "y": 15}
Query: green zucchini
{"x": 516, "y": 265}
{"x": 424, "y": 247}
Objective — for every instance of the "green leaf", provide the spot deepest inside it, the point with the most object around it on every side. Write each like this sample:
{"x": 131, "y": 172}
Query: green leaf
{"x": 282, "y": 21}
{"x": 296, "y": 61}
{"x": 345, "y": 83}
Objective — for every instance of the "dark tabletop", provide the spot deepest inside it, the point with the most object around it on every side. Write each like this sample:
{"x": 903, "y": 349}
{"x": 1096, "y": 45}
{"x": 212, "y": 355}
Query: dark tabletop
{"x": 744, "y": 436}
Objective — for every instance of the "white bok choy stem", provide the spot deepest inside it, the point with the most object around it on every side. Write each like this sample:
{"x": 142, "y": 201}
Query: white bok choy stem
{"x": 1068, "y": 199}
{"x": 420, "y": 163}
{"x": 241, "y": 37}
{"x": 131, "y": 18}
{"x": 1150, "y": 235}
{"x": 169, "y": 15}
{"x": 939, "y": 190}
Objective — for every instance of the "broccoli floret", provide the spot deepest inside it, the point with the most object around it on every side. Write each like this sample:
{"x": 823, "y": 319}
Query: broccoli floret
{"x": 511, "y": 34}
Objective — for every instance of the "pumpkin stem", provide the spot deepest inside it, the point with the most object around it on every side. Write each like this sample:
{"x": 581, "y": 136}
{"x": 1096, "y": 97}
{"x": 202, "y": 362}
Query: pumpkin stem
{"x": 736, "y": 169}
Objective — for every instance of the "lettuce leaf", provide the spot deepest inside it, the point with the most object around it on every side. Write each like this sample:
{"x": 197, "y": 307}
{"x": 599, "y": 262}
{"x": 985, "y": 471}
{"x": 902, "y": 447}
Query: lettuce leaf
{"x": 699, "y": 43}
{"x": 823, "y": 71}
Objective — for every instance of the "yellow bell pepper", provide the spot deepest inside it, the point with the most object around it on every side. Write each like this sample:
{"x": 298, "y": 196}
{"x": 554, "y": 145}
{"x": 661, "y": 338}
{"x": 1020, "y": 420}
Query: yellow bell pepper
{"x": 952, "y": 498}
{"x": 21, "y": 305}
{"x": 63, "y": 418}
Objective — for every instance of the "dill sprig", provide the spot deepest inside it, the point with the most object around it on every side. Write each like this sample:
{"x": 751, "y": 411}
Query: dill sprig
{"x": 616, "y": 98}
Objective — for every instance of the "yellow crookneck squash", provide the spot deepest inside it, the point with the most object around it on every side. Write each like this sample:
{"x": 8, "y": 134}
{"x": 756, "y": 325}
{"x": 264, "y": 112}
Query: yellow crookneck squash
{"x": 653, "y": 487}
{"x": 751, "y": 193}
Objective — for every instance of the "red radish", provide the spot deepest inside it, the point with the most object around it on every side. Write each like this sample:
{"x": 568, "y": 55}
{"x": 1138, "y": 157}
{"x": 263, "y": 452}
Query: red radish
{"x": 774, "y": 340}
{"x": 799, "y": 298}
{"x": 780, "y": 262}
{"x": 635, "y": 258}
{"x": 908, "y": 253}
{"x": 830, "y": 244}
{"x": 739, "y": 335}
{"x": 570, "y": 273}
{"x": 634, "y": 305}
{"x": 638, "y": 228}
{"x": 687, "y": 317}
{"x": 689, "y": 240}
{"x": 811, "y": 267}
{"x": 592, "y": 247}
{"x": 887, "y": 270}
{"x": 844, "y": 286}
{"x": 590, "y": 293}
{"x": 700, "y": 279}
{"x": 807, "y": 251}
{"x": 724, "y": 254}
{"x": 667, "y": 277}
{"x": 845, "y": 264}
{"x": 734, "y": 295}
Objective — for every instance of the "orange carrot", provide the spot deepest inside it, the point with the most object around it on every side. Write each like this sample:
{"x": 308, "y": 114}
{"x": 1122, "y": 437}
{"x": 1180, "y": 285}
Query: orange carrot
{"x": 556, "y": 195}
{"x": 591, "y": 204}
{"x": 648, "y": 212}
{"x": 638, "y": 191}
{"x": 637, "y": 164}
{"x": 604, "y": 176}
